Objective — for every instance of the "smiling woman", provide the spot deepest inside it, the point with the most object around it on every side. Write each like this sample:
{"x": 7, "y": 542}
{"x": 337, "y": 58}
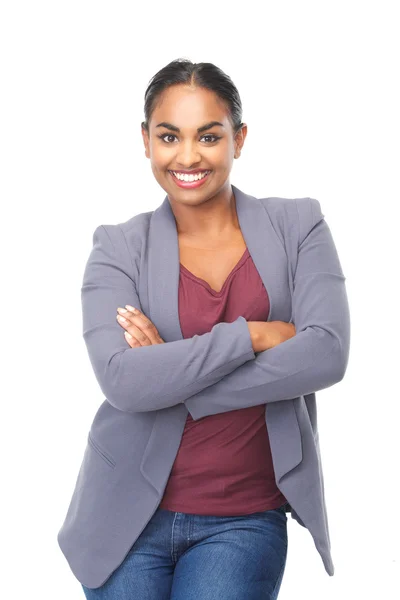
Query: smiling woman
{"x": 193, "y": 126}
{"x": 198, "y": 317}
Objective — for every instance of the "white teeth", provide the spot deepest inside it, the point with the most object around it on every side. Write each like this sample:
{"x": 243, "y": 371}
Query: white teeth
{"x": 186, "y": 177}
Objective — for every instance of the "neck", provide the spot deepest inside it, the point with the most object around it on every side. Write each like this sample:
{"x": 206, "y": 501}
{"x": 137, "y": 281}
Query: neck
{"x": 210, "y": 219}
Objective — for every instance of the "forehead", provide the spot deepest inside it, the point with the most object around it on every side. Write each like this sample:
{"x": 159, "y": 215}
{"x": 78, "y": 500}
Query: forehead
{"x": 187, "y": 106}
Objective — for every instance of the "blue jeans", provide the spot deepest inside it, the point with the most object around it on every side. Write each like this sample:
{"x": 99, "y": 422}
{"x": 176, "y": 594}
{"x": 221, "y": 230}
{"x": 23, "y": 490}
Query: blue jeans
{"x": 180, "y": 556}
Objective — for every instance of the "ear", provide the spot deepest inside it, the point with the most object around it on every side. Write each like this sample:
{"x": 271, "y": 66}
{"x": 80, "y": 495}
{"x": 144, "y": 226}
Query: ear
{"x": 239, "y": 139}
{"x": 146, "y": 141}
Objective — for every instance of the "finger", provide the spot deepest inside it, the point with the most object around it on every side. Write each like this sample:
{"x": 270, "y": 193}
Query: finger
{"x": 143, "y": 319}
{"x": 140, "y": 320}
{"x": 132, "y": 342}
{"x": 136, "y": 332}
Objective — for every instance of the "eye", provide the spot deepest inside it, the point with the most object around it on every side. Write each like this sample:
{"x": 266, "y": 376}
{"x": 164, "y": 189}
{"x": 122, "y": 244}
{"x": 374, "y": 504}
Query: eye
{"x": 210, "y": 135}
{"x": 171, "y": 135}
{"x": 163, "y": 135}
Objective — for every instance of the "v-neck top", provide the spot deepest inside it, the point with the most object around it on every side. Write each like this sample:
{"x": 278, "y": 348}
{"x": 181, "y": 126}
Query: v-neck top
{"x": 223, "y": 466}
{"x": 201, "y": 281}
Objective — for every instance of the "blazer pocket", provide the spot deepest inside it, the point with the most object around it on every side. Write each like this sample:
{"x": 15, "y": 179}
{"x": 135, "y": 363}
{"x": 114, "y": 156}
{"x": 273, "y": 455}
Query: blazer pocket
{"x": 100, "y": 451}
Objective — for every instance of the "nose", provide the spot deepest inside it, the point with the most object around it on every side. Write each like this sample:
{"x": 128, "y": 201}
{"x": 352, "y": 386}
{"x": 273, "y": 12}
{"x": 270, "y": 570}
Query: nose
{"x": 188, "y": 155}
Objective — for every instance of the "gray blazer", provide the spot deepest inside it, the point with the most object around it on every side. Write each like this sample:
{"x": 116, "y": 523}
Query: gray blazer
{"x": 148, "y": 391}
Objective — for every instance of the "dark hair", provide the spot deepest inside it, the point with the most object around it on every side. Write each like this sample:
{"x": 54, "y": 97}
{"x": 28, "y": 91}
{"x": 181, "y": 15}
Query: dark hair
{"x": 204, "y": 75}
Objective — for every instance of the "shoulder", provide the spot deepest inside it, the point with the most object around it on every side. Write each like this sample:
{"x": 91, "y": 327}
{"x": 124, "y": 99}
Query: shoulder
{"x": 289, "y": 214}
{"x": 124, "y": 241}
{"x": 134, "y": 229}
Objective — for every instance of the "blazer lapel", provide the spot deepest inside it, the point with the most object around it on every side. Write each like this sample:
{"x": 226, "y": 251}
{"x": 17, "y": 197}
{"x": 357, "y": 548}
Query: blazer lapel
{"x": 163, "y": 256}
{"x": 163, "y": 269}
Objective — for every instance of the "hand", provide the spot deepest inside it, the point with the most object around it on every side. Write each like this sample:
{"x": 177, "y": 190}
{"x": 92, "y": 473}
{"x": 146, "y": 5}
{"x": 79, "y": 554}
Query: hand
{"x": 139, "y": 330}
{"x": 267, "y": 334}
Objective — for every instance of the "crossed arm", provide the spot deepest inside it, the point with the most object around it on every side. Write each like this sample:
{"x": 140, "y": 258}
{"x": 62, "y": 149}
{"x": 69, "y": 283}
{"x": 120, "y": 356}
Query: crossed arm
{"x": 314, "y": 359}
{"x": 217, "y": 371}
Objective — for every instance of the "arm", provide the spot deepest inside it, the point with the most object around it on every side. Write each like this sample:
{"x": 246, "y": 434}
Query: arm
{"x": 149, "y": 377}
{"x": 315, "y": 358}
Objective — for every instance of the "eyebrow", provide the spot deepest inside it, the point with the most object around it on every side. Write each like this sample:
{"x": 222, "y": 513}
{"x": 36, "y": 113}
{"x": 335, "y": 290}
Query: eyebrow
{"x": 199, "y": 129}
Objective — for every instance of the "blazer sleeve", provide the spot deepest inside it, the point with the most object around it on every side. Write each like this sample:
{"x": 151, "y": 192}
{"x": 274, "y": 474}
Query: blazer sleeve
{"x": 148, "y": 377}
{"x": 316, "y": 357}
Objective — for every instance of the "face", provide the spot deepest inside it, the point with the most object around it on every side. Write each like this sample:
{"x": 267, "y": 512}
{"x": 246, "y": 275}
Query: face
{"x": 175, "y": 144}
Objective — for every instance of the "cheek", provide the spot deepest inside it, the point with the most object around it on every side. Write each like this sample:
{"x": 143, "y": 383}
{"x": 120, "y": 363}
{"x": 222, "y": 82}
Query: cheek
{"x": 161, "y": 158}
{"x": 219, "y": 156}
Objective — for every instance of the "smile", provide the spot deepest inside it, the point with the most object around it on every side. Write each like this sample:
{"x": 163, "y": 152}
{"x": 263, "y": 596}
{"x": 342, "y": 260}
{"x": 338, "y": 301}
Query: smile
{"x": 189, "y": 181}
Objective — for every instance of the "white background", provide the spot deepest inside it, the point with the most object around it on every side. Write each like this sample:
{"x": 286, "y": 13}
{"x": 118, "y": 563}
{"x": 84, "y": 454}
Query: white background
{"x": 318, "y": 82}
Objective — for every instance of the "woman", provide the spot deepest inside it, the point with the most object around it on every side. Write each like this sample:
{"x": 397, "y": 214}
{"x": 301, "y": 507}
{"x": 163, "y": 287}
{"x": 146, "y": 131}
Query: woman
{"x": 187, "y": 314}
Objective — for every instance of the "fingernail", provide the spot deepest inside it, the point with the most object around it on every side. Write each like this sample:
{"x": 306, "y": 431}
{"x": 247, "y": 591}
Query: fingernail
{"x": 123, "y": 310}
{"x": 127, "y": 334}
{"x": 131, "y": 308}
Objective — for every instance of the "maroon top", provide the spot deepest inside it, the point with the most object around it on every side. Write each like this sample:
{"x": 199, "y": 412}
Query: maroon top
{"x": 224, "y": 465}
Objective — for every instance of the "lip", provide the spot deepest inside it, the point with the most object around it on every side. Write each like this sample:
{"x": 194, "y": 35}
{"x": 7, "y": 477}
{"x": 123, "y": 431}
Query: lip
{"x": 190, "y": 184}
{"x": 190, "y": 172}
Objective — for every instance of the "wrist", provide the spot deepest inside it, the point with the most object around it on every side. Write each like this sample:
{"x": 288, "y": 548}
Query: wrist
{"x": 254, "y": 335}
